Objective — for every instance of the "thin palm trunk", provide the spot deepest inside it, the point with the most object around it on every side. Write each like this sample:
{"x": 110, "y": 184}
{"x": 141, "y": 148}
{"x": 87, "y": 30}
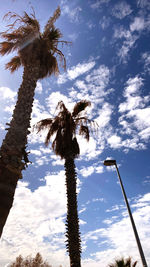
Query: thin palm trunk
{"x": 13, "y": 157}
{"x": 72, "y": 223}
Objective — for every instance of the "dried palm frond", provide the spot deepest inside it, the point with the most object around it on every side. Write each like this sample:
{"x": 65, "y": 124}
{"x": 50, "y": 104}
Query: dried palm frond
{"x": 80, "y": 106}
{"x": 43, "y": 124}
{"x": 84, "y": 131}
{"x": 14, "y": 64}
{"x": 7, "y": 47}
{"x": 51, "y": 21}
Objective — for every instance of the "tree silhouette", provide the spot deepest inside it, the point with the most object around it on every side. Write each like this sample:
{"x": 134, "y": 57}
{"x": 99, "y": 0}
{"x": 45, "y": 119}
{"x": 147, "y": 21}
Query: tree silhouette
{"x": 123, "y": 263}
{"x": 65, "y": 126}
{"x": 37, "y": 261}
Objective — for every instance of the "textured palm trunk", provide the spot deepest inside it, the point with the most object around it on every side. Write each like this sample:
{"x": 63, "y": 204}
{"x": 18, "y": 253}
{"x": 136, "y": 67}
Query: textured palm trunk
{"x": 72, "y": 222}
{"x": 13, "y": 157}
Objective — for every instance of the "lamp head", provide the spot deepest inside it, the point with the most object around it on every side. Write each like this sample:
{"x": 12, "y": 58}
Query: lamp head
{"x": 110, "y": 162}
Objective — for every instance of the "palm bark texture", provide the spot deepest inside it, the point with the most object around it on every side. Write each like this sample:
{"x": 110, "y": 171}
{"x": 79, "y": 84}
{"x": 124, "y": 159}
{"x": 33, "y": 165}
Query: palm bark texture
{"x": 37, "y": 52}
{"x": 65, "y": 126}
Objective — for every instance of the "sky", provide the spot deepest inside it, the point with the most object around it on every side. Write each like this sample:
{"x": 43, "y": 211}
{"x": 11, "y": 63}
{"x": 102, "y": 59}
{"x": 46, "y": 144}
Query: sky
{"x": 108, "y": 63}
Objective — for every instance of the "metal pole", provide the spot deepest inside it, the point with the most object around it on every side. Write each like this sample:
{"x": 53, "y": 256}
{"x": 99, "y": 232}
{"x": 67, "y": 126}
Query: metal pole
{"x": 132, "y": 221}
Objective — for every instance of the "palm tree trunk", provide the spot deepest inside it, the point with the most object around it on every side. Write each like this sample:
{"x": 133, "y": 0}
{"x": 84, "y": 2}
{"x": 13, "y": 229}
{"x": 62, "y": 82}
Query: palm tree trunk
{"x": 13, "y": 157}
{"x": 72, "y": 222}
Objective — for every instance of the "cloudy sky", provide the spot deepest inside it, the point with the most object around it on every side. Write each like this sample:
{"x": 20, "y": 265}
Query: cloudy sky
{"x": 108, "y": 63}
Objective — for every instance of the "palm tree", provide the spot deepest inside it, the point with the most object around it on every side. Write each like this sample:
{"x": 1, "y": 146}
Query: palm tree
{"x": 65, "y": 126}
{"x": 37, "y": 53}
{"x": 123, "y": 263}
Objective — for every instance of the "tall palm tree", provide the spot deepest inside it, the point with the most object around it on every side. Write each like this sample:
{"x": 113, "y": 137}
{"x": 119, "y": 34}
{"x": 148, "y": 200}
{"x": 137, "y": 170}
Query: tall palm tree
{"x": 123, "y": 263}
{"x": 37, "y": 52}
{"x": 65, "y": 126}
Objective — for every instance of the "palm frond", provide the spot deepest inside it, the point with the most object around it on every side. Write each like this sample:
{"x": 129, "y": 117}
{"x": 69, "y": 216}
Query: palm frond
{"x": 51, "y": 21}
{"x": 48, "y": 137}
{"x": 54, "y": 126}
{"x": 84, "y": 131}
{"x": 6, "y": 47}
{"x": 48, "y": 65}
{"x": 31, "y": 20}
{"x": 14, "y": 64}
{"x": 80, "y": 106}
{"x": 61, "y": 106}
{"x": 14, "y": 36}
{"x": 25, "y": 19}
{"x": 43, "y": 124}
{"x": 61, "y": 57}
{"x": 134, "y": 264}
{"x": 54, "y": 35}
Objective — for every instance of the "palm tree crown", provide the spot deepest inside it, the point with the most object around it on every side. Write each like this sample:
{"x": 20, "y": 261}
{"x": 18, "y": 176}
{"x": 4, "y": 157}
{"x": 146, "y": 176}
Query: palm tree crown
{"x": 65, "y": 125}
{"x": 123, "y": 263}
{"x": 32, "y": 45}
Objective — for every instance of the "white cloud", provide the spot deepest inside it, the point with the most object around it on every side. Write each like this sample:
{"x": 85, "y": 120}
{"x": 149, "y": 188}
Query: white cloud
{"x": 72, "y": 12}
{"x": 128, "y": 43}
{"x": 146, "y": 59}
{"x": 124, "y": 244}
{"x": 104, "y": 22}
{"x": 53, "y": 100}
{"x": 87, "y": 149}
{"x": 37, "y": 221}
{"x": 133, "y": 85}
{"x": 135, "y": 108}
{"x": 73, "y": 36}
{"x": 87, "y": 171}
{"x": 143, "y": 4}
{"x": 75, "y": 71}
{"x": 114, "y": 141}
{"x": 7, "y": 93}
{"x": 99, "y": 3}
{"x": 138, "y": 24}
{"x": 104, "y": 116}
{"x": 99, "y": 169}
{"x": 39, "y": 88}
{"x": 93, "y": 86}
{"x": 121, "y": 10}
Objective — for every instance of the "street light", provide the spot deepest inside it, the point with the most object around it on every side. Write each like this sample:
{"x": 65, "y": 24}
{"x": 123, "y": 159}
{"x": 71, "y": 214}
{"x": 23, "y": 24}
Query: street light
{"x": 113, "y": 163}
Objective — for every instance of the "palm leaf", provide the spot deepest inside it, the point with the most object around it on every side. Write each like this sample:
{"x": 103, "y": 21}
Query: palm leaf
{"x": 84, "y": 131}
{"x": 51, "y": 21}
{"x": 6, "y": 47}
{"x": 80, "y": 106}
{"x": 11, "y": 36}
{"x": 43, "y": 124}
{"x": 14, "y": 64}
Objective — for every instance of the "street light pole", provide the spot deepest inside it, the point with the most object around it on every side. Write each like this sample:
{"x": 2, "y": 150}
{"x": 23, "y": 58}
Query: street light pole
{"x": 111, "y": 163}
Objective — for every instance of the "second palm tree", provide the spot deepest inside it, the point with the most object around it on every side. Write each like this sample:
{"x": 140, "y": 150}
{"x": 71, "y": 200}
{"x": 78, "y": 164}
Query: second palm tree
{"x": 65, "y": 126}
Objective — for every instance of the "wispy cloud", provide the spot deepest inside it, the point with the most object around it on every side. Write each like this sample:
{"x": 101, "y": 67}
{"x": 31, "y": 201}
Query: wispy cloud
{"x": 99, "y": 3}
{"x": 146, "y": 58}
{"x": 121, "y": 10}
{"x": 75, "y": 71}
{"x": 136, "y": 109}
{"x": 124, "y": 244}
{"x": 72, "y": 12}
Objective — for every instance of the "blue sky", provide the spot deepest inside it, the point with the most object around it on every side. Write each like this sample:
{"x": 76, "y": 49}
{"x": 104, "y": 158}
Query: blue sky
{"x": 108, "y": 63}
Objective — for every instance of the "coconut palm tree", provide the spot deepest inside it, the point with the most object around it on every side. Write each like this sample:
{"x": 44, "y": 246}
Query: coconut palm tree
{"x": 123, "y": 263}
{"x": 37, "y": 52}
{"x": 65, "y": 126}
